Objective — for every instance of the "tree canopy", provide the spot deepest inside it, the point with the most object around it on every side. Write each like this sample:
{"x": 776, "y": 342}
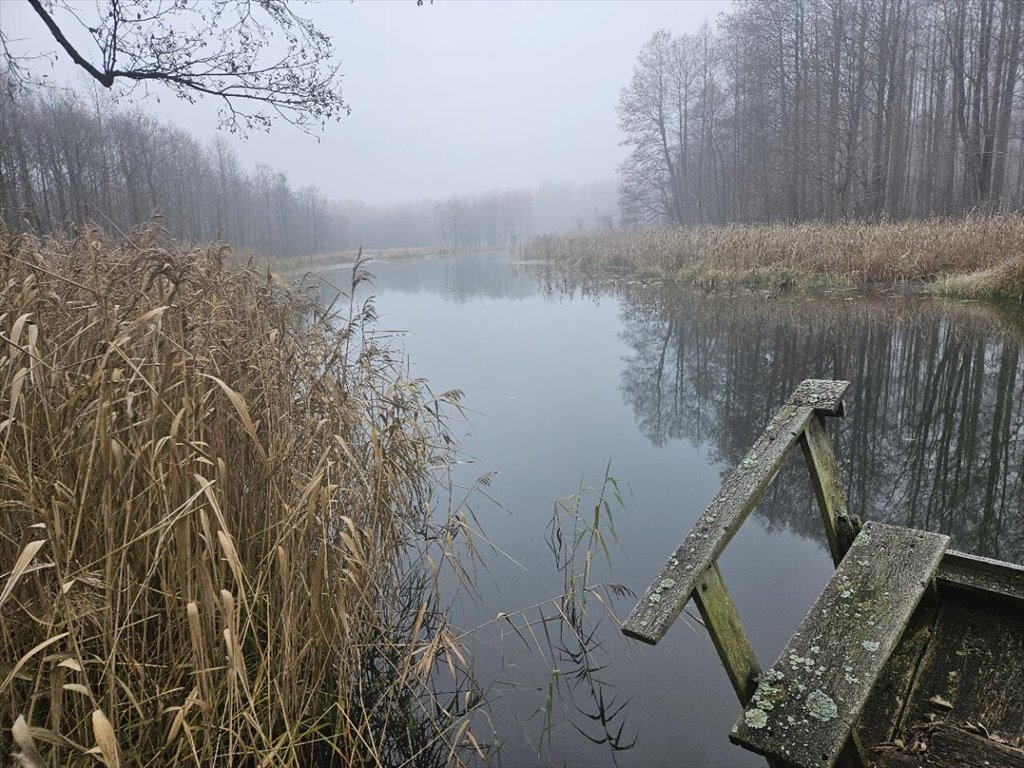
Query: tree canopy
{"x": 260, "y": 58}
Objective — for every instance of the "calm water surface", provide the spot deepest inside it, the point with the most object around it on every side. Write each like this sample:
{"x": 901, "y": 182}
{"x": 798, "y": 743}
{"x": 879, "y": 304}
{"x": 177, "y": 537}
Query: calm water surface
{"x": 672, "y": 388}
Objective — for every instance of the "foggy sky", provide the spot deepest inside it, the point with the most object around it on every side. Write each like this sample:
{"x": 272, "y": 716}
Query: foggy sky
{"x": 447, "y": 98}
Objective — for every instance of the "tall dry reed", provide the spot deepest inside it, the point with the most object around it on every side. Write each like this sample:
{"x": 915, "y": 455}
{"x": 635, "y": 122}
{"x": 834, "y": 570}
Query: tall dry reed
{"x": 838, "y": 253}
{"x": 214, "y": 516}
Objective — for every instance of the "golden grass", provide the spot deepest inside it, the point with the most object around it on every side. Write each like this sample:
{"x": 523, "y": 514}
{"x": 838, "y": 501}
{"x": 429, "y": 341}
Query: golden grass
{"x": 817, "y": 254}
{"x": 350, "y": 256}
{"x": 1004, "y": 282}
{"x": 214, "y": 502}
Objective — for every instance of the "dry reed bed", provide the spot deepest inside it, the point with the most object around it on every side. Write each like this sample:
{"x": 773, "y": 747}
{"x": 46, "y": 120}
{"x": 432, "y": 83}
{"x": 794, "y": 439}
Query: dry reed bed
{"x": 214, "y": 499}
{"x": 989, "y": 248}
{"x": 288, "y": 263}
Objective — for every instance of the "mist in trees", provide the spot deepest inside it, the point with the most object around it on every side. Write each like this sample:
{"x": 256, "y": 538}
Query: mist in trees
{"x": 784, "y": 110}
{"x": 794, "y": 110}
{"x": 508, "y": 216}
{"x": 65, "y": 159}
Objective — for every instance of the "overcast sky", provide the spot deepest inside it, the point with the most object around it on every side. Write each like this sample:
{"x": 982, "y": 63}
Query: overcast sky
{"x": 451, "y": 97}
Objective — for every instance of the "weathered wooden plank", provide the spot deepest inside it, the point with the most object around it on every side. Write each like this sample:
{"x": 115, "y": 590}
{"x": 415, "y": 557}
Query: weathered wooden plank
{"x": 974, "y": 664}
{"x": 823, "y": 395}
{"x": 806, "y": 705}
{"x": 840, "y": 528}
{"x": 668, "y": 594}
{"x": 950, "y": 747}
{"x": 723, "y": 624}
{"x": 982, "y": 575}
{"x": 880, "y": 720}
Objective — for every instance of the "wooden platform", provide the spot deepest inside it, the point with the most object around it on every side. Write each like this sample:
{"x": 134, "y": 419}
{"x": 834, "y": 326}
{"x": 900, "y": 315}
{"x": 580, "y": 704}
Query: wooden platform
{"x": 953, "y": 692}
{"x": 940, "y": 683}
{"x": 948, "y": 746}
{"x": 912, "y": 656}
{"x": 807, "y": 705}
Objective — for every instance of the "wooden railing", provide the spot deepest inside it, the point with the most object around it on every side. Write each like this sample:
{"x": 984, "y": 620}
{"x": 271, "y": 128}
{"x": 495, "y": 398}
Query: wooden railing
{"x": 692, "y": 570}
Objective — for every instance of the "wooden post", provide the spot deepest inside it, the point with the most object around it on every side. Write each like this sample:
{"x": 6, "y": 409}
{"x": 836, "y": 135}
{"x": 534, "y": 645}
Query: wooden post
{"x": 723, "y": 624}
{"x": 840, "y": 528}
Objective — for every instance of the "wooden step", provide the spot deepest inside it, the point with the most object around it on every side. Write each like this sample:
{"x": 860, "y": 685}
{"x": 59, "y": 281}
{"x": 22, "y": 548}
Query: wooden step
{"x": 947, "y": 746}
{"x": 805, "y": 706}
{"x": 687, "y": 567}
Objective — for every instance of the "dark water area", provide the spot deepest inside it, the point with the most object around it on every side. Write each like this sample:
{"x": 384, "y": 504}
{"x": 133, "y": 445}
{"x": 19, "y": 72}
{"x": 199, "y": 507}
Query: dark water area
{"x": 672, "y": 387}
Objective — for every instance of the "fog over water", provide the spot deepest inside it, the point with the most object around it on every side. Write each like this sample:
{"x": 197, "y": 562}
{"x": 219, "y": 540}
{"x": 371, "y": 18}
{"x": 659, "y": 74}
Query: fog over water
{"x": 486, "y": 141}
{"x": 562, "y": 376}
{"x": 447, "y": 98}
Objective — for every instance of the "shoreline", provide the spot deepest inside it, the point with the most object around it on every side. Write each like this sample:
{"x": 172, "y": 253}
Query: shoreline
{"x": 349, "y": 257}
{"x": 974, "y": 257}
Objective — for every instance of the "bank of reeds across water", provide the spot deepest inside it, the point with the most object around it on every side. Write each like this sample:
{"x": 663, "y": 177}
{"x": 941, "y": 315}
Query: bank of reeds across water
{"x": 974, "y": 257}
{"x": 292, "y": 263}
{"x": 215, "y": 519}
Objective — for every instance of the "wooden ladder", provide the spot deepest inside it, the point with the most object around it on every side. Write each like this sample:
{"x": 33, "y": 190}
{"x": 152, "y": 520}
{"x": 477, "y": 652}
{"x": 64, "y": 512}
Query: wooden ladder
{"x": 692, "y": 572}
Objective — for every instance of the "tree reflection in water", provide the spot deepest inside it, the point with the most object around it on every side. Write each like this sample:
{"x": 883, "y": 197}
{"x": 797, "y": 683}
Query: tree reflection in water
{"x": 934, "y": 436}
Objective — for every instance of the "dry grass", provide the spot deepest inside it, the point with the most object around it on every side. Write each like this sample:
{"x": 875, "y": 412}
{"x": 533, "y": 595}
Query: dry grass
{"x": 351, "y": 256}
{"x": 214, "y": 505}
{"x": 837, "y": 254}
{"x": 1004, "y": 282}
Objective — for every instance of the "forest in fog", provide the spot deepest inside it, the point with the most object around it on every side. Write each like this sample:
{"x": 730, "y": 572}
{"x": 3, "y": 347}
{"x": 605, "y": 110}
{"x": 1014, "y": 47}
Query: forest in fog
{"x": 65, "y": 159}
{"x": 794, "y": 110}
{"x": 784, "y": 111}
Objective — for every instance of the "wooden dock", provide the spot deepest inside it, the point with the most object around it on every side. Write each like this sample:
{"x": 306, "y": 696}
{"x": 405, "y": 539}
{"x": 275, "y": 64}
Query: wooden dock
{"x": 913, "y": 654}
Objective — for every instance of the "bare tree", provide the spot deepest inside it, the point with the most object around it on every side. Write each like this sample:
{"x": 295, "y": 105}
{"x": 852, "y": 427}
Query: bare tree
{"x": 794, "y": 110}
{"x": 258, "y": 57}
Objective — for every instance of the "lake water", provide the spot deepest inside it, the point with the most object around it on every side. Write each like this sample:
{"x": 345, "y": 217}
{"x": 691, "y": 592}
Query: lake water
{"x": 671, "y": 388}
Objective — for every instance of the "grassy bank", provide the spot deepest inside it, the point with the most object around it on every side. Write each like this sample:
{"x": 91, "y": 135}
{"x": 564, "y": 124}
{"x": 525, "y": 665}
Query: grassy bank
{"x": 289, "y": 263}
{"x": 977, "y": 256}
{"x": 214, "y": 516}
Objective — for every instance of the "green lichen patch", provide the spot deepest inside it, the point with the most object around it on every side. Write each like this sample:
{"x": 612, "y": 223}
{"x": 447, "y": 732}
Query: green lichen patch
{"x": 769, "y": 690}
{"x": 820, "y": 706}
{"x": 796, "y": 661}
{"x": 870, "y": 646}
{"x": 755, "y": 718}
{"x": 767, "y": 696}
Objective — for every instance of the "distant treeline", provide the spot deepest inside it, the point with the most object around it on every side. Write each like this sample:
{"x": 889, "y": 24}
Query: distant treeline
{"x": 792, "y": 110}
{"x": 494, "y": 218}
{"x": 65, "y": 159}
